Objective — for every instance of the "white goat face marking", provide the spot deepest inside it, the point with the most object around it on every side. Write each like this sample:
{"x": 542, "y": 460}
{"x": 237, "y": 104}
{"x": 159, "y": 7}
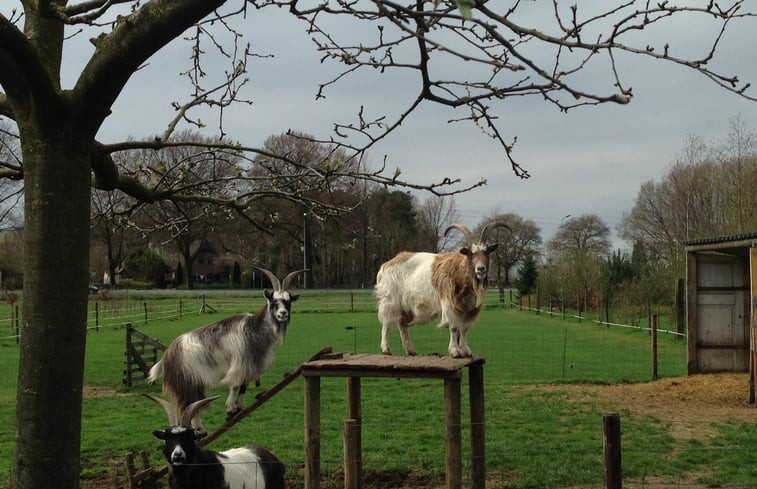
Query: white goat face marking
{"x": 178, "y": 455}
{"x": 280, "y": 306}
{"x": 480, "y": 261}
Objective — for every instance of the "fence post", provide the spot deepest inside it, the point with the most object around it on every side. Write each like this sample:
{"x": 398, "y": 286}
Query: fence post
{"x": 128, "y": 380}
{"x": 654, "y": 346}
{"x": 97, "y": 316}
{"x": 613, "y": 473}
{"x": 18, "y": 330}
{"x": 145, "y": 311}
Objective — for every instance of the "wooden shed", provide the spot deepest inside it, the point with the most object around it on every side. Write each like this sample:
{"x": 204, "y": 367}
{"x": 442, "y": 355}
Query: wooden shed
{"x": 721, "y": 302}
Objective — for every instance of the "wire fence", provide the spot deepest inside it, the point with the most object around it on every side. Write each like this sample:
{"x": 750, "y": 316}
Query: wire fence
{"x": 535, "y": 434}
{"x": 117, "y": 309}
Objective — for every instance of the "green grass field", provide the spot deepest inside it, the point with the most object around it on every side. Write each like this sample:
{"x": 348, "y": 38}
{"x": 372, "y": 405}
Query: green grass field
{"x": 534, "y": 437}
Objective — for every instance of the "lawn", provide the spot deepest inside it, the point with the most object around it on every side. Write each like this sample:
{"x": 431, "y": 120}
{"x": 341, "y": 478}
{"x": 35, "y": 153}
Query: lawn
{"x": 534, "y": 437}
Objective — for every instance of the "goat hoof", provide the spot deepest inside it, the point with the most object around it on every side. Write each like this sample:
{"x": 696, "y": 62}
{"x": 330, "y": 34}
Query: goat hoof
{"x": 231, "y": 414}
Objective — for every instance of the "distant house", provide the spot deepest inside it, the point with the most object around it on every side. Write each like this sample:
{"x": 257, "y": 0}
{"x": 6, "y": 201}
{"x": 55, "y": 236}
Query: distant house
{"x": 210, "y": 266}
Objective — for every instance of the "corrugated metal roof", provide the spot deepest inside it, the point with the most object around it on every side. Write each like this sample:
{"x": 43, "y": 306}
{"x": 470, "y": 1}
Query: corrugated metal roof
{"x": 721, "y": 239}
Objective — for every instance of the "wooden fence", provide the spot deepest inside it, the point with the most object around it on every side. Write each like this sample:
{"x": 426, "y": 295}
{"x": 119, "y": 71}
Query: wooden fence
{"x": 141, "y": 354}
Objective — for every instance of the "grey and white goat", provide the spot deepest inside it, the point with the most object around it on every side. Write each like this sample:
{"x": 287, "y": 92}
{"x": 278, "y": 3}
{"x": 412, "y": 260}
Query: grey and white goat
{"x": 232, "y": 352}
{"x": 192, "y": 467}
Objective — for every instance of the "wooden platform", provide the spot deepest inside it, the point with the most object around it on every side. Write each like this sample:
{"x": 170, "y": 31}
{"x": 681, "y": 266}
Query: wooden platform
{"x": 371, "y": 365}
{"x": 354, "y": 367}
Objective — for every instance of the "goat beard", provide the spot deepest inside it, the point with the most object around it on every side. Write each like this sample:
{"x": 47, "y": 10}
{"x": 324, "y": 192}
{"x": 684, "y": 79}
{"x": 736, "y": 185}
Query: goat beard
{"x": 281, "y": 330}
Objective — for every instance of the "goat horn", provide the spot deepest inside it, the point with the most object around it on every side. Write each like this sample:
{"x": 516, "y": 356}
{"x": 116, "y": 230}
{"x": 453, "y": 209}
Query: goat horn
{"x": 170, "y": 411}
{"x": 274, "y": 280}
{"x": 191, "y": 410}
{"x": 288, "y": 278}
{"x": 493, "y": 224}
{"x": 463, "y": 229}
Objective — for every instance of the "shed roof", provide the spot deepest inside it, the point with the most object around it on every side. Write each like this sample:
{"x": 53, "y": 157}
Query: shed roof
{"x": 721, "y": 239}
{"x": 737, "y": 244}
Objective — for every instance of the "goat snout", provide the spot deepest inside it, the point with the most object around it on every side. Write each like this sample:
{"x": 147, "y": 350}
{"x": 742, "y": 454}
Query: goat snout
{"x": 282, "y": 315}
{"x": 481, "y": 272}
{"x": 178, "y": 456}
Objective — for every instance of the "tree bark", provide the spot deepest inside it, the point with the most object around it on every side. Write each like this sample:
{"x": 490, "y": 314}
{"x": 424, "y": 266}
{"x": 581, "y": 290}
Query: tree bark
{"x": 53, "y": 338}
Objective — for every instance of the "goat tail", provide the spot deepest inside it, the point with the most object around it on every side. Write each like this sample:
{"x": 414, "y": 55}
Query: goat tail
{"x": 156, "y": 372}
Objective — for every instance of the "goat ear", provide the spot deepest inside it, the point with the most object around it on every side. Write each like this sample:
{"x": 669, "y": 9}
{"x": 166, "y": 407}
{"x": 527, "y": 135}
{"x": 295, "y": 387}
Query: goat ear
{"x": 159, "y": 434}
{"x": 491, "y": 247}
{"x": 268, "y": 293}
{"x": 465, "y": 251}
{"x": 200, "y": 434}
{"x": 293, "y": 297}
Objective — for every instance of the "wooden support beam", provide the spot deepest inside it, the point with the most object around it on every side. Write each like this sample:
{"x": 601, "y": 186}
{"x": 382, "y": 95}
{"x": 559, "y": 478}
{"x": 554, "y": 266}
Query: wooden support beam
{"x": 478, "y": 425}
{"x": 312, "y": 432}
{"x": 353, "y": 461}
{"x": 453, "y": 434}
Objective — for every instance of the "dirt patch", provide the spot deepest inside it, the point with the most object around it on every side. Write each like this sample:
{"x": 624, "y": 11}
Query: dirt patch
{"x": 696, "y": 398}
{"x": 100, "y": 391}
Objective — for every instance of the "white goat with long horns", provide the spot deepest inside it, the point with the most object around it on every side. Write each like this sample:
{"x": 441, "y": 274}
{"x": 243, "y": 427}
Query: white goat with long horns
{"x": 232, "y": 352}
{"x": 416, "y": 287}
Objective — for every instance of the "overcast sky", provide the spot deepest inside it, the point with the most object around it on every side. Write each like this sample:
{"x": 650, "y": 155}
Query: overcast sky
{"x": 590, "y": 160}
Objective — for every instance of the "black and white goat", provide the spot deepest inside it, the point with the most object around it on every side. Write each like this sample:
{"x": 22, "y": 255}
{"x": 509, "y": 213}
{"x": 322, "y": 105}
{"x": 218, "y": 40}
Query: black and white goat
{"x": 193, "y": 467}
{"x": 415, "y": 288}
{"x": 232, "y": 352}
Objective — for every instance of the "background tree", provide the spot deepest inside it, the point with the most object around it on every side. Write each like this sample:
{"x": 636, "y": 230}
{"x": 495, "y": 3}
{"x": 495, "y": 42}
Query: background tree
{"x": 523, "y": 239}
{"x": 615, "y": 272}
{"x": 111, "y": 231}
{"x": 435, "y": 214}
{"x": 62, "y": 157}
{"x": 528, "y": 278}
{"x": 581, "y": 243}
{"x": 146, "y": 265}
{"x": 707, "y": 191}
{"x": 11, "y": 189}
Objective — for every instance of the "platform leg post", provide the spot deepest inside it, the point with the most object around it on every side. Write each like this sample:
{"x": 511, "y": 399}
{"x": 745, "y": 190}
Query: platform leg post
{"x": 478, "y": 426}
{"x": 453, "y": 436}
{"x": 312, "y": 432}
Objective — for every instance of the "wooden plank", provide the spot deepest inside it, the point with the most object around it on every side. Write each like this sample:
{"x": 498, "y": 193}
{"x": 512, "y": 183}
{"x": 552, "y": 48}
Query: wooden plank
{"x": 692, "y": 361}
{"x": 147, "y": 339}
{"x": 260, "y": 399}
{"x": 136, "y": 358}
{"x": 376, "y": 365}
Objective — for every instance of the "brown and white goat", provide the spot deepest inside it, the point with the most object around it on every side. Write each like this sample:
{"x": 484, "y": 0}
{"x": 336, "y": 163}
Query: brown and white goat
{"x": 415, "y": 288}
{"x": 231, "y": 352}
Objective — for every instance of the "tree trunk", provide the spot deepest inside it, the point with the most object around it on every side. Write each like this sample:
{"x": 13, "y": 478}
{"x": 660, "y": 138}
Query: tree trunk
{"x": 53, "y": 338}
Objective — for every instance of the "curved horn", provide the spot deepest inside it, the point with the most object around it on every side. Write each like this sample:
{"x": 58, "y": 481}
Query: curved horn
{"x": 167, "y": 406}
{"x": 493, "y": 224}
{"x": 288, "y": 278}
{"x": 191, "y": 410}
{"x": 274, "y": 280}
{"x": 463, "y": 229}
